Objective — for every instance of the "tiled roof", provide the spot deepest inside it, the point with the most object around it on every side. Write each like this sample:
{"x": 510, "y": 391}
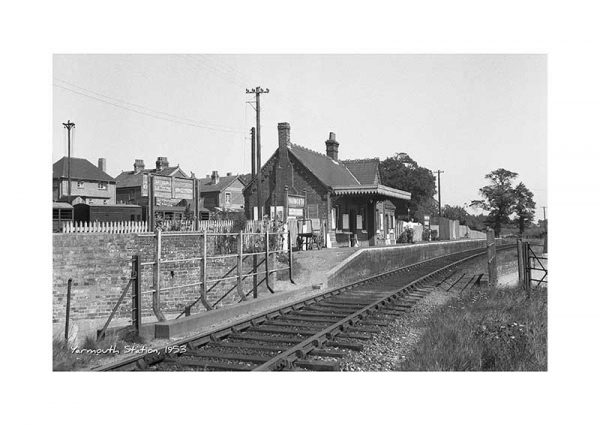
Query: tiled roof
{"x": 206, "y": 184}
{"x": 81, "y": 169}
{"x": 133, "y": 179}
{"x": 365, "y": 170}
{"x": 328, "y": 171}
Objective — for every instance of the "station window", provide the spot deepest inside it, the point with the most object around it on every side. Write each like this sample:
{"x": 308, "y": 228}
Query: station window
{"x": 102, "y": 185}
{"x": 80, "y": 185}
{"x": 227, "y": 197}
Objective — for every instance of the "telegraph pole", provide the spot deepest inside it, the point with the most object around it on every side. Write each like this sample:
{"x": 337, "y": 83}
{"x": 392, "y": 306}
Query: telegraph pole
{"x": 253, "y": 137}
{"x": 439, "y": 192}
{"x": 258, "y": 91}
{"x": 69, "y": 125}
{"x": 544, "y": 208}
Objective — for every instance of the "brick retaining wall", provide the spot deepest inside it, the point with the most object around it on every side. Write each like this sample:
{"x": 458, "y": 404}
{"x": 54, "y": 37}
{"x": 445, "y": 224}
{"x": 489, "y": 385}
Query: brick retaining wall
{"x": 100, "y": 266}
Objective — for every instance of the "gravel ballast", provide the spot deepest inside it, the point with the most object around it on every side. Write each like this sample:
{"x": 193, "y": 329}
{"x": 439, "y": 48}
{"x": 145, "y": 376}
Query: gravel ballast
{"x": 391, "y": 346}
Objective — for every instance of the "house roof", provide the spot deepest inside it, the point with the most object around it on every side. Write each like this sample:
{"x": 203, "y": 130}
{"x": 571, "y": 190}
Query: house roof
{"x": 366, "y": 171}
{"x": 81, "y": 169}
{"x": 339, "y": 175}
{"x": 329, "y": 172}
{"x": 133, "y": 179}
{"x": 206, "y": 184}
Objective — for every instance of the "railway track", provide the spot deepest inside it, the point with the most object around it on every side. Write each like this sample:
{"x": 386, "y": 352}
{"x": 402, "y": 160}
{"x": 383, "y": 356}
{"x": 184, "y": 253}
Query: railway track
{"x": 312, "y": 334}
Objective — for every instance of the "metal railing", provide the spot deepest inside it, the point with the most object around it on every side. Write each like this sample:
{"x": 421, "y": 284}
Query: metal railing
{"x": 243, "y": 243}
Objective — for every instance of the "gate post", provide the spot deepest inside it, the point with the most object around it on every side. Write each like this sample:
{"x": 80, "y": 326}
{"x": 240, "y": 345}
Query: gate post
{"x": 520, "y": 267}
{"x": 68, "y": 313}
{"x": 156, "y": 294}
{"x": 527, "y": 268}
{"x": 491, "y": 256}
{"x": 267, "y": 259}
{"x": 203, "y": 299}
{"x": 136, "y": 295}
{"x": 290, "y": 256}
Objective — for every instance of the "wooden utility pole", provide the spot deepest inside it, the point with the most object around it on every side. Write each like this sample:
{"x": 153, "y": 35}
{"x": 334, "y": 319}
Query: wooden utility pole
{"x": 439, "y": 182}
{"x": 257, "y": 92}
{"x": 69, "y": 125}
{"x": 253, "y": 141}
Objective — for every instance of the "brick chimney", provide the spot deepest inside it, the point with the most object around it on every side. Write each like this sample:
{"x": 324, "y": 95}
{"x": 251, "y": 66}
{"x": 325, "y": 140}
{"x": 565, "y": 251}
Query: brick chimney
{"x": 214, "y": 177}
{"x": 102, "y": 164}
{"x": 161, "y": 163}
{"x": 138, "y": 165}
{"x": 283, "y": 128}
{"x": 332, "y": 147}
{"x": 229, "y": 174}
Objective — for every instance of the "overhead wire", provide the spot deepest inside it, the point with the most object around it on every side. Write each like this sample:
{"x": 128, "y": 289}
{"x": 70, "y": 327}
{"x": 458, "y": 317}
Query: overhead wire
{"x": 143, "y": 110}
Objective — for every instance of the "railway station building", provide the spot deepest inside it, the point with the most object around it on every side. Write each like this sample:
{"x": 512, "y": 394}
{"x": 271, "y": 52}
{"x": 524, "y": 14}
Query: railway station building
{"x": 346, "y": 197}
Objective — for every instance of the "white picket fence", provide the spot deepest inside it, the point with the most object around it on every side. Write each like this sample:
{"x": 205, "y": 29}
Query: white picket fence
{"x": 215, "y": 226}
{"x": 223, "y": 226}
{"x": 106, "y": 227}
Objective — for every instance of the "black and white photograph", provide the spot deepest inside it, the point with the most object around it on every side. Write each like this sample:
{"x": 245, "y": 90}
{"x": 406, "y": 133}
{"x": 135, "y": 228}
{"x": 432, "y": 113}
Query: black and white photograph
{"x": 385, "y": 209}
{"x": 299, "y": 212}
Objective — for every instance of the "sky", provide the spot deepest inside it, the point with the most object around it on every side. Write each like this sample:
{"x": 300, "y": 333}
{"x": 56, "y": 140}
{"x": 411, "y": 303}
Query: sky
{"x": 464, "y": 114}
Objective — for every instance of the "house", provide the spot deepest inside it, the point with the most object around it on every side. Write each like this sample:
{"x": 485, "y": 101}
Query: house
{"x": 89, "y": 184}
{"x": 221, "y": 193}
{"x": 173, "y": 190}
{"x": 347, "y": 196}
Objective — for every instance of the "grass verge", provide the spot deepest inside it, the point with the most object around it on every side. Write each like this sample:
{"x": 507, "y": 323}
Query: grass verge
{"x": 489, "y": 329}
{"x": 66, "y": 357}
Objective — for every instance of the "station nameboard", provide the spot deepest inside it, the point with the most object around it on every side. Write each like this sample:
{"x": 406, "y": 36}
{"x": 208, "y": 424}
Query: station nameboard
{"x": 295, "y": 201}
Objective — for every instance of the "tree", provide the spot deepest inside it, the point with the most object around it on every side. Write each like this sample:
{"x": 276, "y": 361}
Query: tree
{"x": 455, "y": 213}
{"x": 477, "y": 222}
{"x": 402, "y": 172}
{"x": 499, "y": 198}
{"x": 524, "y": 206}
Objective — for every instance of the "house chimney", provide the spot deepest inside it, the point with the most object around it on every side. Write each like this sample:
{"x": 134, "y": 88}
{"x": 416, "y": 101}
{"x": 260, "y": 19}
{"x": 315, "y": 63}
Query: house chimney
{"x": 332, "y": 147}
{"x": 283, "y": 128}
{"x": 229, "y": 174}
{"x": 102, "y": 164}
{"x": 215, "y": 177}
{"x": 138, "y": 165}
{"x": 208, "y": 176}
{"x": 161, "y": 163}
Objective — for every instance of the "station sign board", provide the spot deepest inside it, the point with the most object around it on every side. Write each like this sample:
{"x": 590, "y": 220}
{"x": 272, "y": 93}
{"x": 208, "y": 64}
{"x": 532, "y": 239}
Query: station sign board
{"x": 296, "y": 201}
{"x": 296, "y": 206}
{"x": 426, "y": 219}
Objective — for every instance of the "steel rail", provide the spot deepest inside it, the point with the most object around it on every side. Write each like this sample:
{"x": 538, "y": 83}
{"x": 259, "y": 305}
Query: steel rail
{"x": 299, "y": 351}
{"x": 144, "y": 360}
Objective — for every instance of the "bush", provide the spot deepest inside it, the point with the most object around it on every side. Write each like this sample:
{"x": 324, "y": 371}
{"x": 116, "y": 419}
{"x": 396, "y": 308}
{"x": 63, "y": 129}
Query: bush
{"x": 409, "y": 235}
{"x": 403, "y": 238}
{"x": 426, "y": 234}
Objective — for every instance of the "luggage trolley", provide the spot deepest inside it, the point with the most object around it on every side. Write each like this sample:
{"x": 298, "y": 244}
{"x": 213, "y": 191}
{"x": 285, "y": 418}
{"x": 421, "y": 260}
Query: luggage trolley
{"x": 308, "y": 235}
